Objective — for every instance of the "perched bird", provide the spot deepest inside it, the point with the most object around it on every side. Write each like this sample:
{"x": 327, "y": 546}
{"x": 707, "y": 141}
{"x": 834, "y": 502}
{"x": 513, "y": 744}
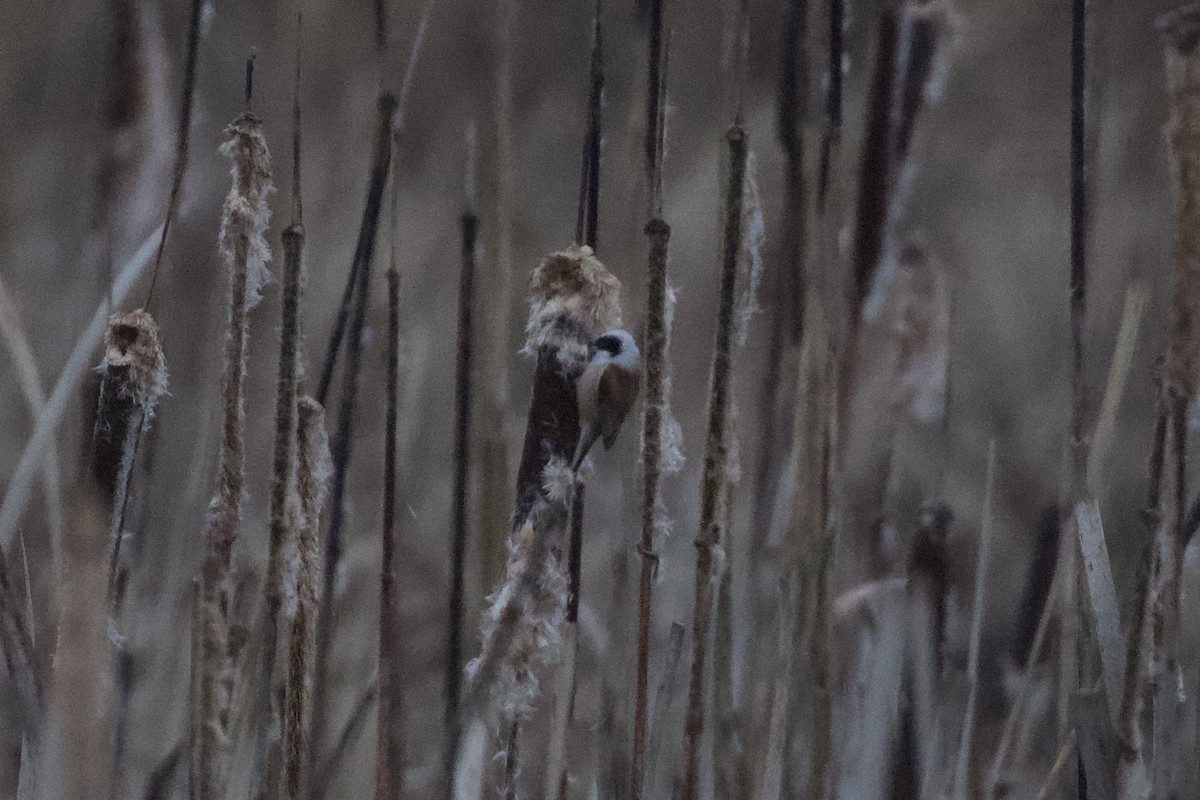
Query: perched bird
{"x": 606, "y": 391}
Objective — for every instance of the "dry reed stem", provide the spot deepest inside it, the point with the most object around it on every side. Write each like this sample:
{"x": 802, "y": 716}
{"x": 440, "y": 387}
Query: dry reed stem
{"x": 1118, "y": 373}
{"x": 658, "y": 232}
{"x": 82, "y": 668}
{"x": 716, "y": 455}
{"x": 1016, "y": 711}
{"x": 343, "y": 438}
{"x": 181, "y": 142}
{"x": 832, "y": 134}
{"x": 774, "y": 764}
{"x": 282, "y": 516}
{"x": 1102, "y": 594}
{"x": 243, "y": 224}
{"x": 655, "y": 345}
{"x": 664, "y": 698}
{"x": 312, "y": 473}
{"x": 390, "y": 737}
{"x": 494, "y": 470}
{"x": 1181, "y": 34}
{"x": 462, "y": 453}
{"x": 66, "y": 388}
{"x": 30, "y": 382}
{"x": 346, "y": 304}
{"x": 961, "y": 786}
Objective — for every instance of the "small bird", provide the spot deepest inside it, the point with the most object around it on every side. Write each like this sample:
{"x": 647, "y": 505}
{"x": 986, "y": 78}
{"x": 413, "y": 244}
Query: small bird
{"x": 606, "y": 391}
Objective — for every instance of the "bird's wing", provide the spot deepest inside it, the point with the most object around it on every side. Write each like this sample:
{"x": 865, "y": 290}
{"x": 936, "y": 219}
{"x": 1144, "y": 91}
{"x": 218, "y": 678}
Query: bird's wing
{"x": 618, "y": 390}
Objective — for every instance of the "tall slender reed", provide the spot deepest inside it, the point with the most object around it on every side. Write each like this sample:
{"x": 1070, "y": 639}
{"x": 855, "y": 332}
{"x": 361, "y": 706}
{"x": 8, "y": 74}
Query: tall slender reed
{"x": 469, "y": 229}
{"x": 586, "y": 234}
{"x": 244, "y": 248}
{"x": 494, "y": 470}
{"x": 343, "y": 439}
{"x": 716, "y": 454}
{"x": 658, "y": 233}
{"x": 186, "y": 101}
{"x": 312, "y": 473}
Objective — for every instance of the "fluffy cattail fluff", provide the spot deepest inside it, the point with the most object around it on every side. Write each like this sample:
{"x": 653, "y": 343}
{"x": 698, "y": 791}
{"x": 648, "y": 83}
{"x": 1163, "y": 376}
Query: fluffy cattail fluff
{"x": 573, "y": 299}
{"x": 1181, "y": 32}
{"x": 313, "y": 467}
{"x": 244, "y": 247}
{"x": 246, "y": 214}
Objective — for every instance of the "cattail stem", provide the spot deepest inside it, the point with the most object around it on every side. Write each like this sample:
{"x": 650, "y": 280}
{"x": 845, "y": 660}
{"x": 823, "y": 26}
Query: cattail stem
{"x": 281, "y": 519}
{"x": 494, "y": 470}
{"x": 462, "y": 452}
{"x": 389, "y": 767}
{"x": 655, "y": 344}
{"x": 658, "y": 232}
{"x": 182, "y": 136}
{"x": 716, "y": 454}
{"x": 344, "y": 437}
{"x": 312, "y": 466}
{"x": 243, "y": 224}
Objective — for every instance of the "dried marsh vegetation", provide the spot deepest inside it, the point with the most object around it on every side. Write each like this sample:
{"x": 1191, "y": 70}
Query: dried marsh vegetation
{"x": 918, "y": 301}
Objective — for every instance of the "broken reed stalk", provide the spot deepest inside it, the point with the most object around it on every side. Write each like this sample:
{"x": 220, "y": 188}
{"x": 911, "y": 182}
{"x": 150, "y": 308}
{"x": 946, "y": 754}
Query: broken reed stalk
{"x": 658, "y": 232}
{"x": 494, "y": 471}
{"x": 469, "y": 228}
{"x": 181, "y": 142}
{"x": 312, "y": 473}
{"x": 962, "y": 770}
{"x": 573, "y": 299}
{"x": 716, "y": 455}
{"x": 343, "y": 440}
{"x": 242, "y": 243}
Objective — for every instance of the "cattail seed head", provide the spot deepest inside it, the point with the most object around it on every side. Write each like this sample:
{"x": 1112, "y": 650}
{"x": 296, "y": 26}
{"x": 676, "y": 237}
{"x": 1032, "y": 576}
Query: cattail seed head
{"x": 573, "y": 298}
{"x": 133, "y": 348}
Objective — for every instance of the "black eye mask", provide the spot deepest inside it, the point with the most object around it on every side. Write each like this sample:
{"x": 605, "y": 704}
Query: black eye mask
{"x": 610, "y": 343}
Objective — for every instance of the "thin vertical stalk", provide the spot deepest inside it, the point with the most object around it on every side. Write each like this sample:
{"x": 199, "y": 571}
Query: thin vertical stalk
{"x": 242, "y": 243}
{"x": 716, "y": 455}
{"x": 181, "y": 141}
{"x": 462, "y": 444}
{"x": 312, "y": 468}
{"x": 494, "y": 471}
{"x": 962, "y": 768}
{"x": 655, "y": 344}
{"x": 343, "y": 439}
{"x": 658, "y": 232}
{"x": 389, "y": 770}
